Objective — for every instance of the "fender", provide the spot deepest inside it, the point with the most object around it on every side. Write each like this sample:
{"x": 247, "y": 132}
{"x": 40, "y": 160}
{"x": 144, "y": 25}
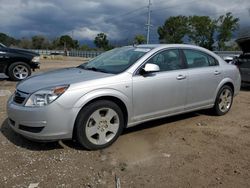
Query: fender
{"x": 104, "y": 92}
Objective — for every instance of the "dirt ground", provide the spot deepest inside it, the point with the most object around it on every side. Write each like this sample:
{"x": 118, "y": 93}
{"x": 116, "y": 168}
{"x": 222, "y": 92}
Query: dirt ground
{"x": 191, "y": 150}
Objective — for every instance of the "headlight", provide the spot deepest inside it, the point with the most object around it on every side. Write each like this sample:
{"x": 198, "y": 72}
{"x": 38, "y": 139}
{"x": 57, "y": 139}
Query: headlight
{"x": 36, "y": 59}
{"x": 45, "y": 96}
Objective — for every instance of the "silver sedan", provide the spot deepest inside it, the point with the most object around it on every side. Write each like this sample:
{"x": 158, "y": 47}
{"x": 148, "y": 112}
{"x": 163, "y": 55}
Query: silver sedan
{"x": 121, "y": 88}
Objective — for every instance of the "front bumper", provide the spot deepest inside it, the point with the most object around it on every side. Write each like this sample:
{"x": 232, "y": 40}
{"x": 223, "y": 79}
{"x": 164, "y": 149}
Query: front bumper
{"x": 52, "y": 122}
{"x": 35, "y": 65}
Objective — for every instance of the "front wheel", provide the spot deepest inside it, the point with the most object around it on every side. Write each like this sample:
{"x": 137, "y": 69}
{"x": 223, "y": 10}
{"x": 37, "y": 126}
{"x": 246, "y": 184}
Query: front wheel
{"x": 223, "y": 101}
{"x": 18, "y": 71}
{"x": 99, "y": 124}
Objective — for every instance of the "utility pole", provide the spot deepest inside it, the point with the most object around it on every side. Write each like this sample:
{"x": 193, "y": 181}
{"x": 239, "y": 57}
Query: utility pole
{"x": 149, "y": 21}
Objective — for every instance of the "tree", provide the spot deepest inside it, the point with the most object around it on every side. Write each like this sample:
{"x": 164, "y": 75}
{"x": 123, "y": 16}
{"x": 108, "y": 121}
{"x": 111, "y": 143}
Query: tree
{"x": 139, "y": 39}
{"x": 40, "y": 42}
{"x": 227, "y": 24}
{"x": 85, "y": 47}
{"x": 25, "y": 43}
{"x": 201, "y": 31}
{"x": 174, "y": 29}
{"x": 66, "y": 41}
{"x": 101, "y": 41}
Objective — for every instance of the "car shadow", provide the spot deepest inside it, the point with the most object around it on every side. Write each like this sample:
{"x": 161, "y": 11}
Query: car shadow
{"x": 21, "y": 141}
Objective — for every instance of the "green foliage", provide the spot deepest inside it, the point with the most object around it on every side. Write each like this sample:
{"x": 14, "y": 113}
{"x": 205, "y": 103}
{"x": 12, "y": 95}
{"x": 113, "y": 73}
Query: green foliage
{"x": 55, "y": 44}
{"x": 40, "y": 42}
{"x": 67, "y": 42}
{"x": 173, "y": 30}
{"x": 139, "y": 39}
{"x": 201, "y": 31}
{"x": 227, "y": 24}
{"x": 25, "y": 43}
{"x": 101, "y": 41}
{"x": 84, "y": 47}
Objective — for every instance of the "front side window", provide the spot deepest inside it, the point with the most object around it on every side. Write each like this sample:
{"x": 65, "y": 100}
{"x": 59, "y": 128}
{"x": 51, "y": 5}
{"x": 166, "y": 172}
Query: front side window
{"x": 196, "y": 59}
{"x": 167, "y": 60}
{"x": 117, "y": 60}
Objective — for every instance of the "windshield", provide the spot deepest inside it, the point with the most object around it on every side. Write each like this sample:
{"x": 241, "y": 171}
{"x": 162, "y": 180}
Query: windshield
{"x": 116, "y": 61}
{"x": 2, "y": 45}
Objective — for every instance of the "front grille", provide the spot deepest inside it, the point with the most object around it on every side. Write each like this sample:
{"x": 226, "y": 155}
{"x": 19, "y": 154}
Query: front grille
{"x": 20, "y": 97}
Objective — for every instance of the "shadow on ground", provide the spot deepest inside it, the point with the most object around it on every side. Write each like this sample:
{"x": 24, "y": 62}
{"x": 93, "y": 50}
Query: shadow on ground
{"x": 20, "y": 141}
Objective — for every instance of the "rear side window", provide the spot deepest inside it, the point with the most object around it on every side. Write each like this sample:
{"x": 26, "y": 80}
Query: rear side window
{"x": 197, "y": 59}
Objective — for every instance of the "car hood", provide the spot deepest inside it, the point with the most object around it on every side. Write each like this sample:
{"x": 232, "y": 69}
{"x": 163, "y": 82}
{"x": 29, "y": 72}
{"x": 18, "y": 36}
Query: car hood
{"x": 21, "y": 51}
{"x": 58, "y": 77}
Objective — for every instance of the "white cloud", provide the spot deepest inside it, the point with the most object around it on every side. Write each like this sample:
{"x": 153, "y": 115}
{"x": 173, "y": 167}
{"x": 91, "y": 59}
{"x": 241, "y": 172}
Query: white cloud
{"x": 84, "y": 33}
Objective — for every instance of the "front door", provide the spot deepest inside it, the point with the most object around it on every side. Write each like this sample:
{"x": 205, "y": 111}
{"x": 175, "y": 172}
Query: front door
{"x": 161, "y": 93}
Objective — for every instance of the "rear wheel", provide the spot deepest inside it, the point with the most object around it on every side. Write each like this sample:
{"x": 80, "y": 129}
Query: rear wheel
{"x": 18, "y": 71}
{"x": 223, "y": 101}
{"x": 99, "y": 124}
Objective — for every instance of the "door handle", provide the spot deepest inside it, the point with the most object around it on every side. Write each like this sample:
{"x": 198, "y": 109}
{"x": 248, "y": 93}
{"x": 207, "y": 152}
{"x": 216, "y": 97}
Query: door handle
{"x": 180, "y": 77}
{"x": 217, "y": 72}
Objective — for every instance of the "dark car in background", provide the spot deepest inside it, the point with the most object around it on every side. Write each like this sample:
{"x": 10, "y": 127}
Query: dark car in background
{"x": 243, "y": 61}
{"x": 17, "y": 63}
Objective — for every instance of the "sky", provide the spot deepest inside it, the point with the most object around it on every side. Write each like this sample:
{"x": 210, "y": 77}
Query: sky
{"x": 121, "y": 20}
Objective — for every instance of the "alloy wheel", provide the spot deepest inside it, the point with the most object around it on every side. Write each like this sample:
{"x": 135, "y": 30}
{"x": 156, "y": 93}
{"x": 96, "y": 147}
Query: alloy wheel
{"x": 20, "y": 72}
{"x": 225, "y": 100}
{"x": 102, "y": 126}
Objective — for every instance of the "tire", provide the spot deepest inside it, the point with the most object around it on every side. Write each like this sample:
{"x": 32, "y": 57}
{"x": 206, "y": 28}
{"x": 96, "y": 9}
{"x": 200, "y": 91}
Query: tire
{"x": 99, "y": 124}
{"x": 18, "y": 71}
{"x": 224, "y": 101}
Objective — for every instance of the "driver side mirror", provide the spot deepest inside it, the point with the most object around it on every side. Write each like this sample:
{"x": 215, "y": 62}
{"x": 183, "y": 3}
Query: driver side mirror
{"x": 149, "y": 68}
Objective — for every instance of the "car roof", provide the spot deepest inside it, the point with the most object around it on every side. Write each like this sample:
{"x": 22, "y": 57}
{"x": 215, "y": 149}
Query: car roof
{"x": 167, "y": 46}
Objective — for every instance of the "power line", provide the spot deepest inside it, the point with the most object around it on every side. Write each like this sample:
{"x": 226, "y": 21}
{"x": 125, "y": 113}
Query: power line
{"x": 121, "y": 15}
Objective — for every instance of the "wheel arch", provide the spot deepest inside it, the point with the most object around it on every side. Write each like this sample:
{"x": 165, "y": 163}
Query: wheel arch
{"x": 228, "y": 82}
{"x": 16, "y": 60}
{"x": 88, "y": 99}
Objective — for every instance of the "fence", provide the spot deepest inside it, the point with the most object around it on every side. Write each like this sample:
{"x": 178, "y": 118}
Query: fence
{"x": 228, "y": 53}
{"x": 91, "y": 54}
{"x": 73, "y": 53}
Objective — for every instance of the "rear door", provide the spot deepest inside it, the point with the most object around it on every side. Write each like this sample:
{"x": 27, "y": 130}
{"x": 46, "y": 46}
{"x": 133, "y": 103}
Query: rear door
{"x": 204, "y": 75}
{"x": 161, "y": 93}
